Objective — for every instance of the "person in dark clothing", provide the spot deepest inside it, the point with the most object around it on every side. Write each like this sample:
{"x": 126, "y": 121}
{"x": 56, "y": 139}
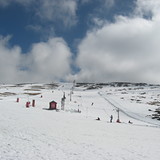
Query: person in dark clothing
{"x": 98, "y": 119}
{"x": 111, "y": 118}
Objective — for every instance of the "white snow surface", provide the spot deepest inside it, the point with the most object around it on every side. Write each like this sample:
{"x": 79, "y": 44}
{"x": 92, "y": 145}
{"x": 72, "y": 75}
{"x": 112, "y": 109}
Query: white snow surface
{"x": 36, "y": 133}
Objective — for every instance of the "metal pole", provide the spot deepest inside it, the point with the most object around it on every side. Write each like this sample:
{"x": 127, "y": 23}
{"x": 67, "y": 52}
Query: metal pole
{"x": 70, "y": 95}
{"x": 118, "y": 113}
{"x": 118, "y": 120}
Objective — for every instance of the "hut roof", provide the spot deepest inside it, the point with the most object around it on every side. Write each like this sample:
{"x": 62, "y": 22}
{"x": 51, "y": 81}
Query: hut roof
{"x": 53, "y": 102}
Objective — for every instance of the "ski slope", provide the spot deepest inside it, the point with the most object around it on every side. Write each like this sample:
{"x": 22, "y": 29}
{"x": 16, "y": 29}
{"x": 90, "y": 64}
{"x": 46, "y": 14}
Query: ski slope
{"x": 133, "y": 112}
{"x": 37, "y": 133}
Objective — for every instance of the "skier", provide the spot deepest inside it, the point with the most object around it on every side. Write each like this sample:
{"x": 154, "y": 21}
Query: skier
{"x": 111, "y": 118}
{"x": 98, "y": 119}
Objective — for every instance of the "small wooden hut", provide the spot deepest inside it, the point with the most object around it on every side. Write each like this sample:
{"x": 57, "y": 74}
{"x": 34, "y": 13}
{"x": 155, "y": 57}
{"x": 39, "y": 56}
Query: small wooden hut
{"x": 53, "y": 105}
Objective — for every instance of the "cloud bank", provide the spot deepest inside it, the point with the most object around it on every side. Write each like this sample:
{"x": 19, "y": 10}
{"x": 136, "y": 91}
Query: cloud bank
{"x": 126, "y": 50}
{"x": 46, "y": 62}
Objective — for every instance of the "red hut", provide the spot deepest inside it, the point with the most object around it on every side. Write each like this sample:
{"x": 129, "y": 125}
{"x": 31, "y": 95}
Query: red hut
{"x": 53, "y": 105}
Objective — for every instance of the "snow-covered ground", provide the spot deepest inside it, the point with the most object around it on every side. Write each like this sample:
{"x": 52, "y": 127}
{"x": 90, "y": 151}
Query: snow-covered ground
{"x": 36, "y": 133}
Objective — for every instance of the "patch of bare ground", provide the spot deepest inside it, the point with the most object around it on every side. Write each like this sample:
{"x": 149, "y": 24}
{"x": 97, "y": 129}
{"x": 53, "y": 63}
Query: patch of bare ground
{"x": 51, "y": 85}
{"x": 37, "y": 87}
{"x": 32, "y": 90}
{"x": 14, "y": 86}
{"x": 5, "y": 94}
{"x": 32, "y": 94}
{"x": 156, "y": 103}
{"x": 156, "y": 114}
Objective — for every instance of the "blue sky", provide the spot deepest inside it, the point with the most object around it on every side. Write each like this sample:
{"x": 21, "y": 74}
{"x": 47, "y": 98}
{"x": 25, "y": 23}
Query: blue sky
{"x": 86, "y": 40}
{"x": 18, "y": 20}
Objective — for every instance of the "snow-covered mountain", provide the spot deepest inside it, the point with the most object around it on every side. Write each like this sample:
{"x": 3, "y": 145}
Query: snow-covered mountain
{"x": 73, "y": 133}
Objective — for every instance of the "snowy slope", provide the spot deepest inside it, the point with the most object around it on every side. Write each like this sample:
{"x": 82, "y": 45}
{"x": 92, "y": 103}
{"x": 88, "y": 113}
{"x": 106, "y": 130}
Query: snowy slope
{"x": 40, "y": 134}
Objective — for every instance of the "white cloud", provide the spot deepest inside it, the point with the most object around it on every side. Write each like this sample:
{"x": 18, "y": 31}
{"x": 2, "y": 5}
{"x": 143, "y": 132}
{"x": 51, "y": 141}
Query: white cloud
{"x": 98, "y": 22}
{"x": 53, "y": 10}
{"x": 9, "y": 61}
{"x": 147, "y": 7}
{"x": 127, "y": 50}
{"x": 47, "y": 61}
{"x": 35, "y": 28}
{"x": 50, "y": 10}
{"x": 106, "y": 3}
{"x": 109, "y": 3}
{"x": 50, "y": 60}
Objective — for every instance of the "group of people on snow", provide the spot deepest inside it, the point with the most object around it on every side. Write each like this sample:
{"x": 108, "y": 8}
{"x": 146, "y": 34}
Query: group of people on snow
{"x": 111, "y": 119}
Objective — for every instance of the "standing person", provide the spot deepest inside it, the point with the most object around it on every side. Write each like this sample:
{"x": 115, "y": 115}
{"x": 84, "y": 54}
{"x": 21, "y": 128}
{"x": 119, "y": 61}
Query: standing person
{"x": 111, "y": 118}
